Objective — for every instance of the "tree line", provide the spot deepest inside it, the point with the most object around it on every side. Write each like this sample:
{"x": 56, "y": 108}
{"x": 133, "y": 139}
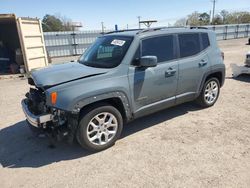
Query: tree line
{"x": 62, "y": 23}
{"x": 57, "y": 23}
{"x": 224, "y": 17}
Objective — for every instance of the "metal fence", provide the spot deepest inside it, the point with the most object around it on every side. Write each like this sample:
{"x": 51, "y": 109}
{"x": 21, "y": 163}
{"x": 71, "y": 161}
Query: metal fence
{"x": 75, "y": 43}
{"x": 225, "y": 32}
{"x": 69, "y": 43}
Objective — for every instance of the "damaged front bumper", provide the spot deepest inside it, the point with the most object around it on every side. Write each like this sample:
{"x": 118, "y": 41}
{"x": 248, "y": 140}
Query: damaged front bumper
{"x": 57, "y": 124}
{"x": 35, "y": 120}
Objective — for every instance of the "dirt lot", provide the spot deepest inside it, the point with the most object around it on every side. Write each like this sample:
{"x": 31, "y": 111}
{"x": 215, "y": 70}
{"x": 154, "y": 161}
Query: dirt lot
{"x": 180, "y": 147}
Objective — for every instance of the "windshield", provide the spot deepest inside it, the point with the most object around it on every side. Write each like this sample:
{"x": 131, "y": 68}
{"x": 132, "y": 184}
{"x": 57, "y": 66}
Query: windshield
{"x": 106, "y": 52}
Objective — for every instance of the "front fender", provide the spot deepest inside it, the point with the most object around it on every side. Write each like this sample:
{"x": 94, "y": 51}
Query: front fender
{"x": 110, "y": 95}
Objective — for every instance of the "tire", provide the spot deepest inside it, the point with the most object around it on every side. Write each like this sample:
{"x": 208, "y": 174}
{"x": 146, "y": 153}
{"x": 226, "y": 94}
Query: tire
{"x": 208, "y": 97}
{"x": 99, "y": 127}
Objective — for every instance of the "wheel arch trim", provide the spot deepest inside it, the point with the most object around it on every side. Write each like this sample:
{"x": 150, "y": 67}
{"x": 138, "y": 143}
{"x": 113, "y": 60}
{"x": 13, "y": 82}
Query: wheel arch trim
{"x": 205, "y": 76}
{"x": 105, "y": 96}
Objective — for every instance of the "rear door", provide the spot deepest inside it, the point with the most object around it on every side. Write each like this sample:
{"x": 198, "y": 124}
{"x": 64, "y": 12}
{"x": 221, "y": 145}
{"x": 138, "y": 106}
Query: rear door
{"x": 193, "y": 63}
{"x": 32, "y": 43}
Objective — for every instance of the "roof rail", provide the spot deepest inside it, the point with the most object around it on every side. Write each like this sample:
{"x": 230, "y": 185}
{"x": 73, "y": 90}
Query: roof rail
{"x": 119, "y": 31}
{"x": 151, "y": 29}
{"x": 156, "y": 29}
{"x": 194, "y": 27}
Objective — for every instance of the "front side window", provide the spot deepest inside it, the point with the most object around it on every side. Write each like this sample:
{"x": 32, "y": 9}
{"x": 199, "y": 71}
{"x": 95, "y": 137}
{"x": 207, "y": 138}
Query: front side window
{"x": 162, "y": 47}
{"x": 106, "y": 52}
{"x": 189, "y": 44}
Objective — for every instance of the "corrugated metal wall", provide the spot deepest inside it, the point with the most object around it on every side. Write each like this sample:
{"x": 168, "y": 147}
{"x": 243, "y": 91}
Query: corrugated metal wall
{"x": 69, "y": 43}
{"x": 75, "y": 43}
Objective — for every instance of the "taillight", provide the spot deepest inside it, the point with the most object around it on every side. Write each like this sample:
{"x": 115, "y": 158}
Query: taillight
{"x": 222, "y": 55}
{"x": 53, "y": 97}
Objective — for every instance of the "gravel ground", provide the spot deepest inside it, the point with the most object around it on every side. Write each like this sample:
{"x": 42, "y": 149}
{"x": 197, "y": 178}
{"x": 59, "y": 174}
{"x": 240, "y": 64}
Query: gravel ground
{"x": 184, "y": 146}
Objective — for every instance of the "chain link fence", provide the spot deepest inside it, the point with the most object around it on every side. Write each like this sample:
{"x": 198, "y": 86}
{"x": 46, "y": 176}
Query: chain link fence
{"x": 60, "y": 44}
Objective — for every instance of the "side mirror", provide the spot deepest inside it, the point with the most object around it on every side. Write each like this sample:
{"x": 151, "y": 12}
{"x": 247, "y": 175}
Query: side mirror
{"x": 148, "y": 61}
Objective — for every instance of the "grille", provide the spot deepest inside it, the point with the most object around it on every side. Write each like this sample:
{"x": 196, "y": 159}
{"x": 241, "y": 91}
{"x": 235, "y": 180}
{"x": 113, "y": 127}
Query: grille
{"x": 36, "y": 101}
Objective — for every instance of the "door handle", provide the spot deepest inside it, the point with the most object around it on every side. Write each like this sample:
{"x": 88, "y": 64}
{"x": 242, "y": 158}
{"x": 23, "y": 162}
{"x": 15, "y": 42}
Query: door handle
{"x": 202, "y": 63}
{"x": 170, "y": 72}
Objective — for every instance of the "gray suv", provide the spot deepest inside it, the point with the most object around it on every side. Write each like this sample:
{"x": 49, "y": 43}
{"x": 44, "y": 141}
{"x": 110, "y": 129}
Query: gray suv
{"x": 124, "y": 75}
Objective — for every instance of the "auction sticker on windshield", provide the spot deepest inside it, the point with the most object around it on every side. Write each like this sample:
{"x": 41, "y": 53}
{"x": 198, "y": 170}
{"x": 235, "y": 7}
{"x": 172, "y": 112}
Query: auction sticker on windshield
{"x": 118, "y": 42}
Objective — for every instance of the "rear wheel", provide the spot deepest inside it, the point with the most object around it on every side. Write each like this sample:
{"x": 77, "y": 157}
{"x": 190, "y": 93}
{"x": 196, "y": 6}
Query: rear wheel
{"x": 99, "y": 127}
{"x": 210, "y": 93}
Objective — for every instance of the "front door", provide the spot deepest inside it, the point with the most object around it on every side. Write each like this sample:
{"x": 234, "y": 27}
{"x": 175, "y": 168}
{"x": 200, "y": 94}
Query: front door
{"x": 154, "y": 86}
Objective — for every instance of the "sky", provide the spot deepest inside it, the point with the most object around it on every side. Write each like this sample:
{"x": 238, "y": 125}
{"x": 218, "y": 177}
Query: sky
{"x": 92, "y": 12}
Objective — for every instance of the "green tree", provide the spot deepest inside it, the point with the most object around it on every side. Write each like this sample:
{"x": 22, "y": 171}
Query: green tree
{"x": 204, "y": 18}
{"x": 52, "y": 23}
{"x": 57, "y": 23}
{"x": 198, "y": 19}
{"x": 217, "y": 20}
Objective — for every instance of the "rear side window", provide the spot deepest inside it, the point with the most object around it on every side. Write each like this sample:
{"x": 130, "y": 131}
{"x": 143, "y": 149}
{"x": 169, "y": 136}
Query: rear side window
{"x": 162, "y": 47}
{"x": 189, "y": 44}
{"x": 205, "y": 41}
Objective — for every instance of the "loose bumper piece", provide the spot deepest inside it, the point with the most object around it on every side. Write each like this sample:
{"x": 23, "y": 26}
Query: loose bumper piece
{"x": 35, "y": 120}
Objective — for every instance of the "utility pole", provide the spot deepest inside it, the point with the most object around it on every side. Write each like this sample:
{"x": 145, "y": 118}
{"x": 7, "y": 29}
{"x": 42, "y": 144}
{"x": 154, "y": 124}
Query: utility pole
{"x": 214, "y": 2}
{"x": 210, "y": 16}
{"x": 139, "y": 21}
{"x": 102, "y": 27}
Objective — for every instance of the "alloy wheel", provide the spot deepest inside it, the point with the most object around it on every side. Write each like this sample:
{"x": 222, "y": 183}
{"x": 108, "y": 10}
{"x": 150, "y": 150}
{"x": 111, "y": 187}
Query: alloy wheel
{"x": 211, "y": 92}
{"x": 102, "y": 128}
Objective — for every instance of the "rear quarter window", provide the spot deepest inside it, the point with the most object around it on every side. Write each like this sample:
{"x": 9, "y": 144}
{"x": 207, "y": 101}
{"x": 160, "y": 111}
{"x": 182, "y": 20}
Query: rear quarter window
{"x": 189, "y": 44}
{"x": 205, "y": 41}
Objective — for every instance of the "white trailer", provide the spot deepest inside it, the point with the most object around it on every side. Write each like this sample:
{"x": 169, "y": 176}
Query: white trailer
{"x": 26, "y": 36}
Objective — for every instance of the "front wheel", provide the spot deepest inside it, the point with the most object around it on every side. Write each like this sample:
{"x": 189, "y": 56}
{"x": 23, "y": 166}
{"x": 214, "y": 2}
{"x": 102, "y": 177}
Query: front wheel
{"x": 99, "y": 127}
{"x": 210, "y": 93}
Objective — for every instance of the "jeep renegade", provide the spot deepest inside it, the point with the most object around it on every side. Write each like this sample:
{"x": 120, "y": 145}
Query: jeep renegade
{"x": 124, "y": 75}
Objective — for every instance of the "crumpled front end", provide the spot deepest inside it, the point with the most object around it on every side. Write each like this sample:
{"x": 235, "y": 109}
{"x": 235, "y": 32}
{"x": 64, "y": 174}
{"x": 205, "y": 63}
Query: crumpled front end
{"x": 45, "y": 118}
{"x": 35, "y": 109}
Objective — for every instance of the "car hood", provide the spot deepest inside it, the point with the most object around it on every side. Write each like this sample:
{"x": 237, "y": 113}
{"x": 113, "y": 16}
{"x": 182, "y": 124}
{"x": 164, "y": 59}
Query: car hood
{"x": 63, "y": 73}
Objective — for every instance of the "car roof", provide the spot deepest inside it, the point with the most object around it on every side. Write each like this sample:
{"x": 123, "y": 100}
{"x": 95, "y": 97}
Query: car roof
{"x": 156, "y": 31}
